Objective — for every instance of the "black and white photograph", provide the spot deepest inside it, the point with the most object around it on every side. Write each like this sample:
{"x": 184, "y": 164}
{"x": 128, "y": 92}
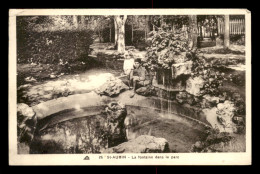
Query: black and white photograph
{"x": 129, "y": 86}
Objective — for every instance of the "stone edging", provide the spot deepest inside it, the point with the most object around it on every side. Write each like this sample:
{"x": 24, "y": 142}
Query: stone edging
{"x": 78, "y": 101}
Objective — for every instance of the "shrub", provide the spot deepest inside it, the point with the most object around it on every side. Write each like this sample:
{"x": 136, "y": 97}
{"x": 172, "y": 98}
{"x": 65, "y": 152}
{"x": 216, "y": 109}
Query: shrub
{"x": 51, "y": 46}
{"x": 165, "y": 47}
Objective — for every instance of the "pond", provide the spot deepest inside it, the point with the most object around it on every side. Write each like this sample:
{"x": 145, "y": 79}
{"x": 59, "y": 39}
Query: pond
{"x": 81, "y": 130}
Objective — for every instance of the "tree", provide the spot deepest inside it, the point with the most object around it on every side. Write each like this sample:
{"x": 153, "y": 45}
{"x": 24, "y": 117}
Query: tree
{"x": 132, "y": 29}
{"x": 101, "y": 22}
{"x": 110, "y": 29}
{"x": 75, "y": 21}
{"x": 193, "y": 33}
{"x": 81, "y": 22}
{"x": 116, "y": 32}
{"x": 147, "y": 25}
{"x": 226, "y": 32}
{"x": 120, "y": 23}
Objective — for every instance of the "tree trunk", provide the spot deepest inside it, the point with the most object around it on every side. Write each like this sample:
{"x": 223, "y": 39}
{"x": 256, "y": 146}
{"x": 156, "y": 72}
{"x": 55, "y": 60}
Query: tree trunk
{"x": 82, "y": 22}
{"x": 173, "y": 28}
{"x": 116, "y": 32}
{"x": 145, "y": 33}
{"x": 147, "y": 26}
{"x": 163, "y": 23}
{"x": 110, "y": 33}
{"x": 75, "y": 21}
{"x": 132, "y": 25}
{"x": 99, "y": 35}
{"x": 121, "y": 33}
{"x": 226, "y": 32}
{"x": 193, "y": 34}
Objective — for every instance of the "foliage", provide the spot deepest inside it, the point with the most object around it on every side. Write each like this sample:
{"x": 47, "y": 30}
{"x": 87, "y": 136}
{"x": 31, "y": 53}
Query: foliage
{"x": 212, "y": 142}
{"x": 177, "y": 20}
{"x": 45, "y": 23}
{"x": 164, "y": 46}
{"x": 213, "y": 78}
{"x": 52, "y": 46}
{"x": 235, "y": 39}
{"x": 207, "y": 21}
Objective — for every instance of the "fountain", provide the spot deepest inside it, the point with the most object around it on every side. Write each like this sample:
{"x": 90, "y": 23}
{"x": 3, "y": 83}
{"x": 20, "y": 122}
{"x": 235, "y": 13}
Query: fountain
{"x": 79, "y": 123}
{"x": 105, "y": 122}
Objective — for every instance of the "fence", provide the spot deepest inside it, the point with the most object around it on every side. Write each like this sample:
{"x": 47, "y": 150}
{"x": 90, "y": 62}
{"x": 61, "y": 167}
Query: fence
{"x": 236, "y": 26}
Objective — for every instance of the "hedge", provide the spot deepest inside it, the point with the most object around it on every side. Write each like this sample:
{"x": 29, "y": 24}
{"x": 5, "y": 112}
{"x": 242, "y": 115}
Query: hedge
{"x": 51, "y": 46}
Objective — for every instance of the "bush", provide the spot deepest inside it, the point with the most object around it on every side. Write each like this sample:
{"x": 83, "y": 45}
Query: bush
{"x": 51, "y": 46}
{"x": 235, "y": 39}
{"x": 166, "y": 47}
{"x": 213, "y": 78}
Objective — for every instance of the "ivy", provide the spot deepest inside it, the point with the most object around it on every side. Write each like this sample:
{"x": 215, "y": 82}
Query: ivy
{"x": 166, "y": 48}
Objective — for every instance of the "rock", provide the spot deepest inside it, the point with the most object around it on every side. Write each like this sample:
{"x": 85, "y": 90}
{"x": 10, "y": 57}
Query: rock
{"x": 52, "y": 76}
{"x": 112, "y": 87}
{"x": 210, "y": 100}
{"x": 129, "y": 48}
{"x": 181, "y": 68}
{"x": 26, "y": 86}
{"x": 61, "y": 74}
{"x": 197, "y": 147}
{"x": 48, "y": 89}
{"x": 30, "y": 79}
{"x": 222, "y": 99}
{"x": 194, "y": 85}
{"x": 130, "y": 122}
{"x": 25, "y": 110}
{"x": 26, "y": 123}
{"x": 181, "y": 97}
{"x": 146, "y": 91}
{"x": 220, "y": 117}
{"x": 220, "y": 106}
{"x": 225, "y": 114}
{"x": 142, "y": 144}
{"x": 116, "y": 114}
{"x": 112, "y": 47}
{"x": 190, "y": 99}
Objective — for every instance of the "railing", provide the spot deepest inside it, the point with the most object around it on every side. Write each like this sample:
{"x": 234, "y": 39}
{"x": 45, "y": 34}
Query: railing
{"x": 236, "y": 26}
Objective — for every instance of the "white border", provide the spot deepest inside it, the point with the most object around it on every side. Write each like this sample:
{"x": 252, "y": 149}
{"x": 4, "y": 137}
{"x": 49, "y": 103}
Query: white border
{"x": 242, "y": 158}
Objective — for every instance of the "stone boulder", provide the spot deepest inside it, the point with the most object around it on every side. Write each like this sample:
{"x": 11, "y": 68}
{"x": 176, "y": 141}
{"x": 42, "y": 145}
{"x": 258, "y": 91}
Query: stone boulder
{"x": 209, "y": 101}
{"x": 148, "y": 90}
{"x": 184, "y": 97}
{"x": 142, "y": 144}
{"x": 219, "y": 142}
{"x": 116, "y": 114}
{"x": 129, "y": 48}
{"x": 194, "y": 85}
{"x": 181, "y": 69}
{"x": 25, "y": 110}
{"x": 225, "y": 113}
{"x": 26, "y": 125}
{"x": 110, "y": 47}
{"x": 220, "y": 117}
{"x": 112, "y": 87}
